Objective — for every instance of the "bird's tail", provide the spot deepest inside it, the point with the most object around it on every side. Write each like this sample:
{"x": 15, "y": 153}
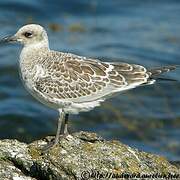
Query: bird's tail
{"x": 155, "y": 72}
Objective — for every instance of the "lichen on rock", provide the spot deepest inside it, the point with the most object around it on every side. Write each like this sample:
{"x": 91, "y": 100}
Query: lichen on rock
{"x": 78, "y": 156}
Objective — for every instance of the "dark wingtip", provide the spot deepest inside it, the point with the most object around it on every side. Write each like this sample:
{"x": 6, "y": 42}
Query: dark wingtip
{"x": 166, "y": 79}
{"x": 157, "y": 71}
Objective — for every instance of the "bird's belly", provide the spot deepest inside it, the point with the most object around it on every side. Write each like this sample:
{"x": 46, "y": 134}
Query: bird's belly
{"x": 46, "y": 101}
{"x": 28, "y": 84}
{"x": 68, "y": 106}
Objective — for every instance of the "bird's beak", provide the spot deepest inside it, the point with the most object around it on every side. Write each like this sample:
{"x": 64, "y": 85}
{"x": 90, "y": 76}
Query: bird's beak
{"x": 8, "y": 39}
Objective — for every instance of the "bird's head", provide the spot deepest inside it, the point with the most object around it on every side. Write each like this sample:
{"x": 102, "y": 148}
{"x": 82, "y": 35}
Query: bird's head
{"x": 31, "y": 34}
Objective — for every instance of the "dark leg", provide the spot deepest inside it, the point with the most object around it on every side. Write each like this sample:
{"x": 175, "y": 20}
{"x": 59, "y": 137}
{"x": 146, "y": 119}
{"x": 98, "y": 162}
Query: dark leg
{"x": 66, "y": 124}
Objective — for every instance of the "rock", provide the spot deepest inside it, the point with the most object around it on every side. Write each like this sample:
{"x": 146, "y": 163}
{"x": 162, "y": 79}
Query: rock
{"x": 79, "y": 156}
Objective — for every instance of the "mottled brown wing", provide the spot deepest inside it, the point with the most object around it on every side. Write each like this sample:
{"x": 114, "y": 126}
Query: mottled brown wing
{"x": 75, "y": 77}
{"x": 133, "y": 74}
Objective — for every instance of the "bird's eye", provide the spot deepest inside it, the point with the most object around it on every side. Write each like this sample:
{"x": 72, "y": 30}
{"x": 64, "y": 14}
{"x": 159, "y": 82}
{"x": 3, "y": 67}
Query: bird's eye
{"x": 28, "y": 34}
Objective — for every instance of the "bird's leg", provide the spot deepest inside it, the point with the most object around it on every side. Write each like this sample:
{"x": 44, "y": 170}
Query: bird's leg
{"x": 65, "y": 130}
{"x": 60, "y": 121}
{"x": 58, "y": 132}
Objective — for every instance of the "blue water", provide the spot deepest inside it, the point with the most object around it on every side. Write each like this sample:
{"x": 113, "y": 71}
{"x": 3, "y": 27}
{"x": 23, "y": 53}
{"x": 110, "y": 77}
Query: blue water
{"x": 143, "y": 32}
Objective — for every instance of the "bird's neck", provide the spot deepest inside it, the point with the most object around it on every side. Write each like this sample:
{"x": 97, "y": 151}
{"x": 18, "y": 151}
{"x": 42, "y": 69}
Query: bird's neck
{"x": 30, "y": 49}
{"x": 32, "y": 55}
{"x": 38, "y": 45}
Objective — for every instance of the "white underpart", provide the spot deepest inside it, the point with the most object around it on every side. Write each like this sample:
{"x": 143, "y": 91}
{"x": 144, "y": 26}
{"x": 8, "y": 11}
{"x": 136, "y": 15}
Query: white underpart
{"x": 75, "y": 108}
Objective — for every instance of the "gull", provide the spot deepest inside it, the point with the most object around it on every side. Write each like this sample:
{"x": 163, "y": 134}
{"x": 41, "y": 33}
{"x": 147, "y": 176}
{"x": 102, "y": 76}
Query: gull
{"x": 70, "y": 83}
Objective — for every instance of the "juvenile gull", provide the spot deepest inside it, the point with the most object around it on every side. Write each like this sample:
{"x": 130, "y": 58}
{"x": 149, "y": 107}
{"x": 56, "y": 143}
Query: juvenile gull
{"x": 72, "y": 83}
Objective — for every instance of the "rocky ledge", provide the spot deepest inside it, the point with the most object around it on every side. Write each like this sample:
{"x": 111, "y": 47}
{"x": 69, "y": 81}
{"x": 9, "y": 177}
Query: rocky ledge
{"x": 81, "y": 155}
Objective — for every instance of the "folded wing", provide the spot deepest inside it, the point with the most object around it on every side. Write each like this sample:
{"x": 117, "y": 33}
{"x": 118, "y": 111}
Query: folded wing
{"x": 79, "y": 79}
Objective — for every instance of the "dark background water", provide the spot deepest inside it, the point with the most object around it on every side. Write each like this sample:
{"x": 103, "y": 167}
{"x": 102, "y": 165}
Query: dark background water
{"x": 143, "y": 32}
